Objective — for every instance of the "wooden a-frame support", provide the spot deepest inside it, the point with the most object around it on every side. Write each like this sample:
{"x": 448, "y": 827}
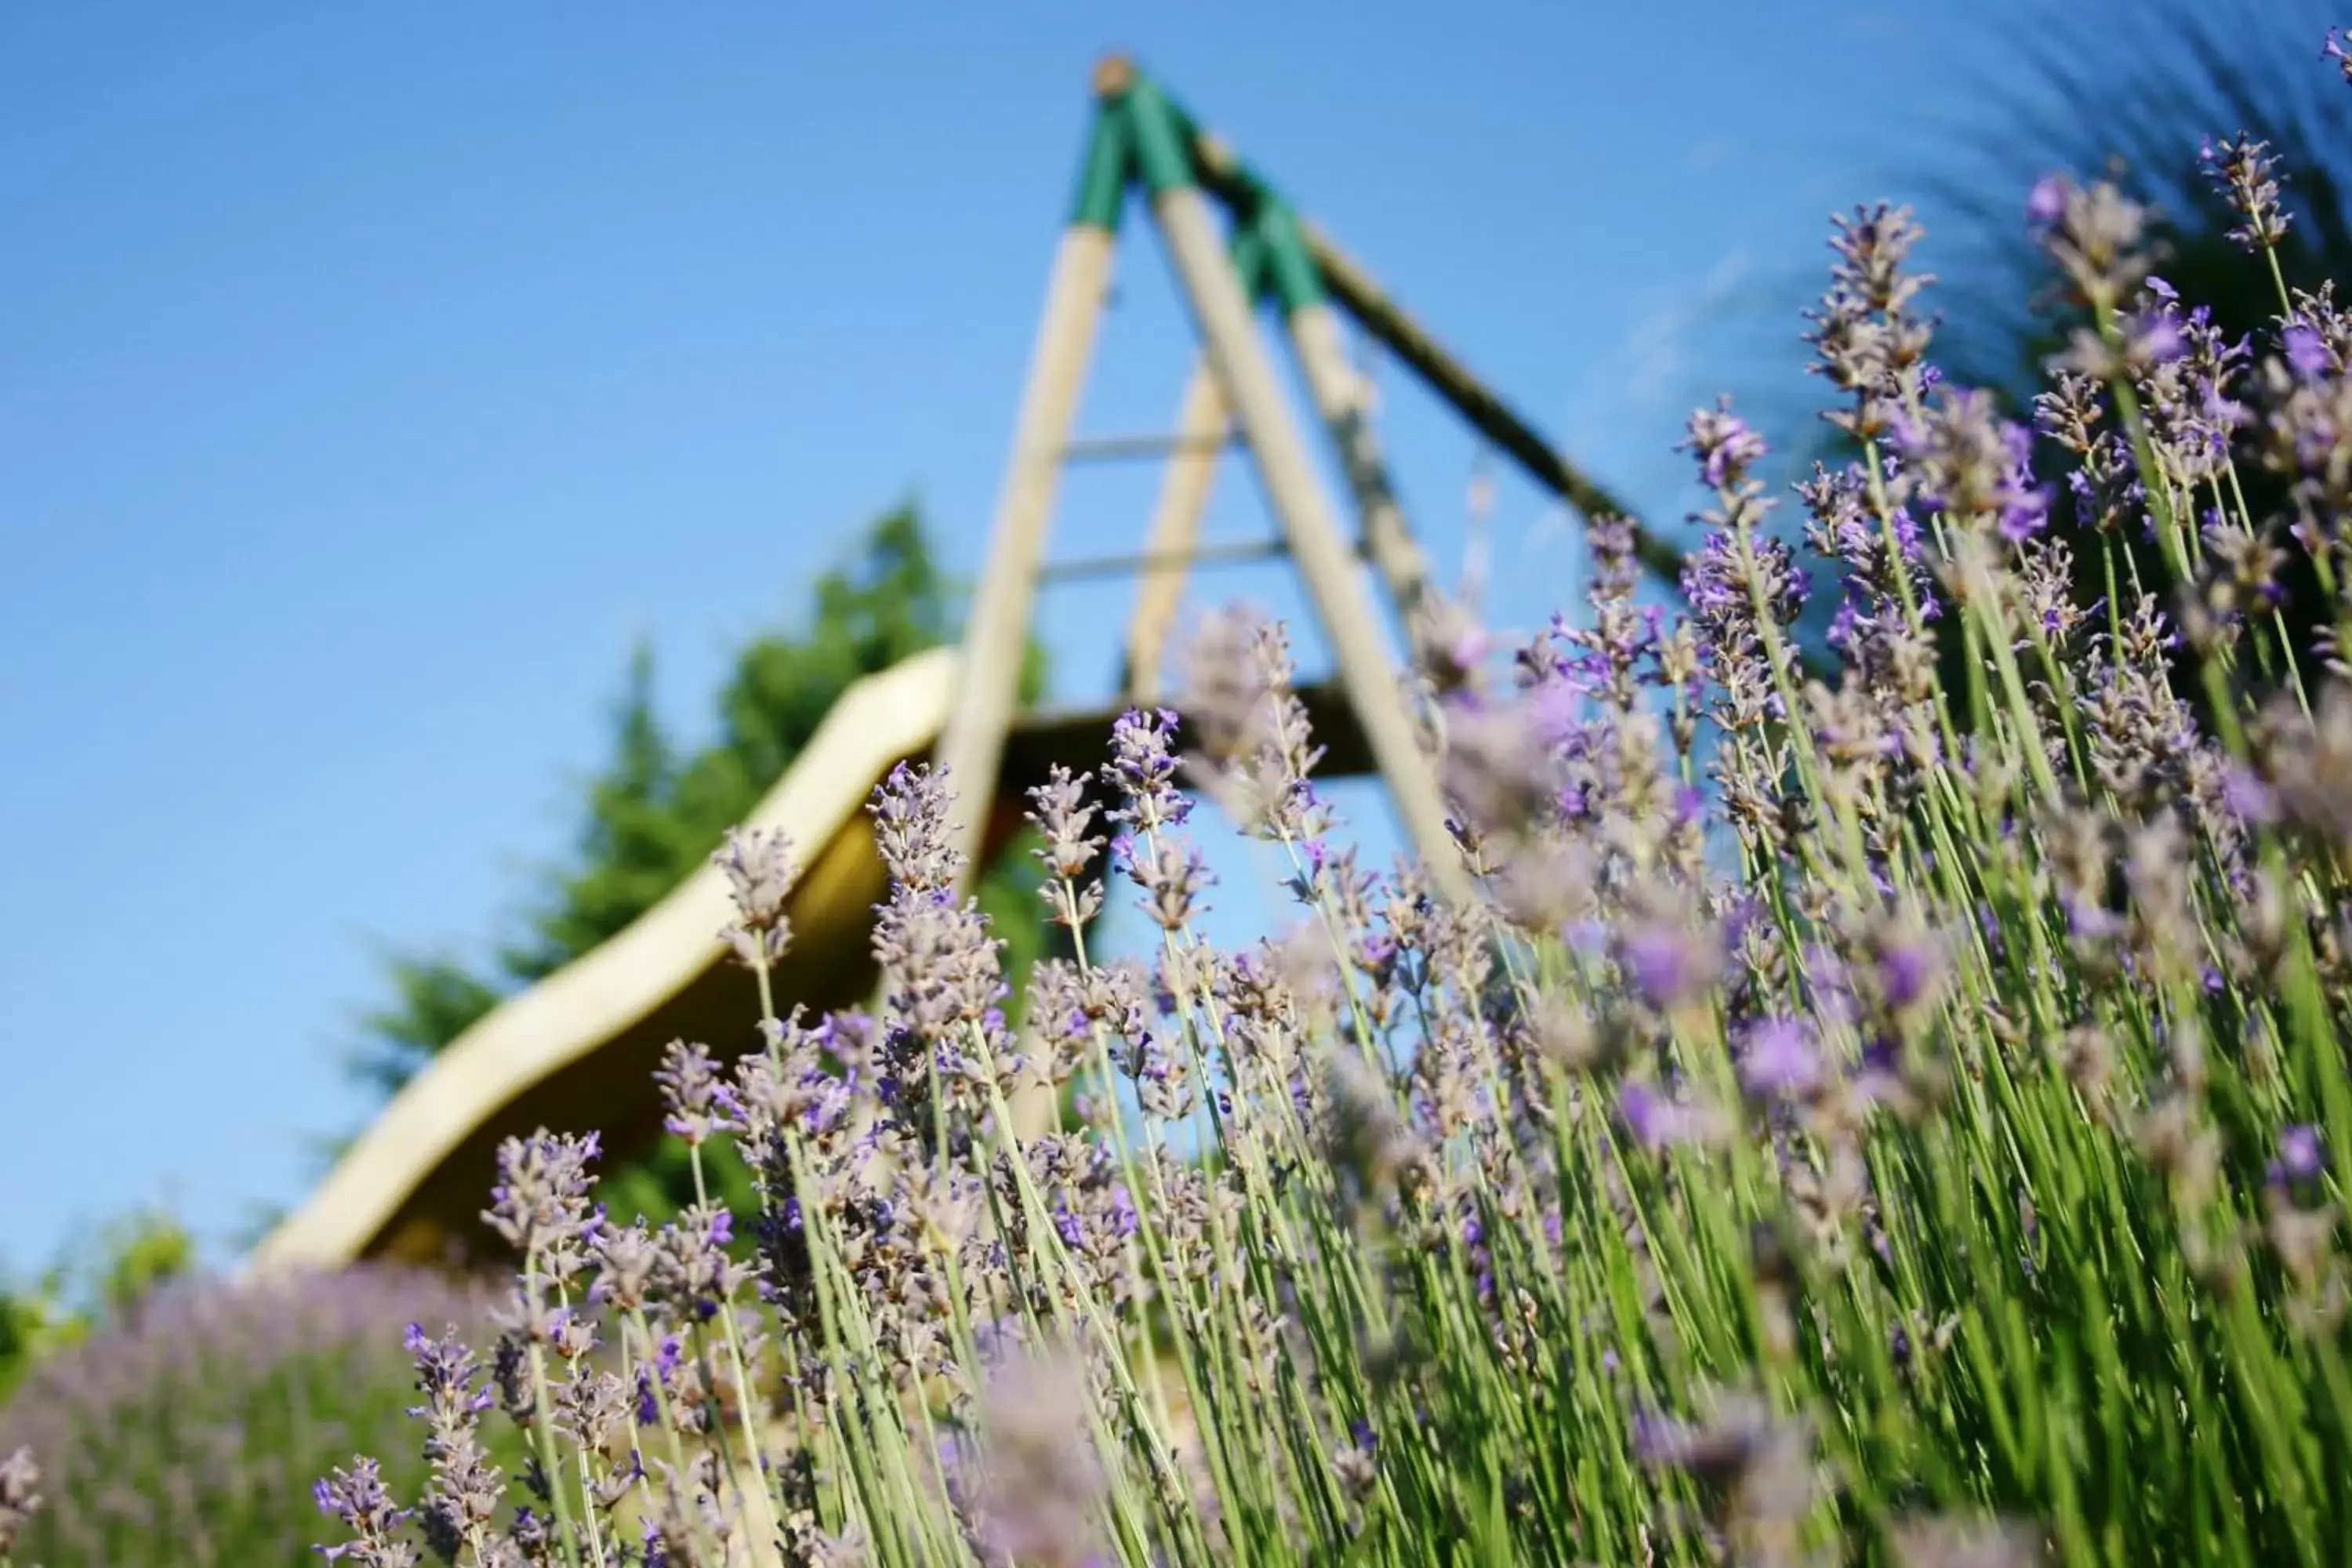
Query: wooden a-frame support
{"x": 574, "y": 1051}
{"x": 1141, "y": 139}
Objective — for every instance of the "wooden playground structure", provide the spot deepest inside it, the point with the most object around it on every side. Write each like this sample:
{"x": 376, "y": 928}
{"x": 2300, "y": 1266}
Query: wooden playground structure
{"x": 577, "y": 1050}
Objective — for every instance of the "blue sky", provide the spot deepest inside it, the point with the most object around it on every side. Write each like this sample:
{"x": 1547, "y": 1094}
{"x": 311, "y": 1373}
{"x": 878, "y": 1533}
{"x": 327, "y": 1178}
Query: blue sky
{"x": 372, "y": 375}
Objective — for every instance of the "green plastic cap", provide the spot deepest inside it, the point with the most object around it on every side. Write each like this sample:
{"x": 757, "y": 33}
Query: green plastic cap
{"x": 1291, "y": 272}
{"x": 1162, "y": 151}
{"x": 1110, "y": 163}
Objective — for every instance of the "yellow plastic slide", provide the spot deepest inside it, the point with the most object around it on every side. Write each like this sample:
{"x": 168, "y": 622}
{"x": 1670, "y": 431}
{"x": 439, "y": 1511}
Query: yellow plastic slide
{"x": 576, "y": 1051}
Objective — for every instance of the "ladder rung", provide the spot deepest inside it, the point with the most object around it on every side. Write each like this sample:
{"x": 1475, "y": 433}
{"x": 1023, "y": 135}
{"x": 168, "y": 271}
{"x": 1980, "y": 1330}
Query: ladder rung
{"x": 1118, "y": 449}
{"x": 1161, "y": 561}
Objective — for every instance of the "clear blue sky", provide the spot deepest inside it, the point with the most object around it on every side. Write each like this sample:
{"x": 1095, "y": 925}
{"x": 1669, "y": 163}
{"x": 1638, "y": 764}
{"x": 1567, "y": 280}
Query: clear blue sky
{"x": 371, "y": 374}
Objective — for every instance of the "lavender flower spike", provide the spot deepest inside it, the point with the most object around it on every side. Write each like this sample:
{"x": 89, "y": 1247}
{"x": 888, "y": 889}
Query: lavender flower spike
{"x": 1657, "y": 1121}
{"x": 357, "y": 1497}
{"x": 540, "y": 1207}
{"x": 699, "y": 1103}
{"x": 761, "y": 873}
{"x": 18, "y": 1500}
{"x": 464, "y": 1496}
{"x": 910, "y": 811}
{"x": 1781, "y": 1059}
{"x": 2301, "y": 1154}
{"x": 1143, "y": 768}
{"x": 1043, "y": 1479}
{"x": 2246, "y": 175}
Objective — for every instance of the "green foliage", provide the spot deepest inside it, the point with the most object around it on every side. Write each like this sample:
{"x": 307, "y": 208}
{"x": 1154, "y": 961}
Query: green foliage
{"x": 435, "y": 999}
{"x": 142, "y": 1255}
{"x": 29, "y": 1326}
{"x": 129, "y": 1260}
{"x": 657, "y": 809}
{"x": 2130, "y": 93}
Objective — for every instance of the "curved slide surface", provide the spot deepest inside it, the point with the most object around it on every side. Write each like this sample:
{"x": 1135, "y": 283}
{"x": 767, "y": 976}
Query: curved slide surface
{"x": 576, "y": 1050}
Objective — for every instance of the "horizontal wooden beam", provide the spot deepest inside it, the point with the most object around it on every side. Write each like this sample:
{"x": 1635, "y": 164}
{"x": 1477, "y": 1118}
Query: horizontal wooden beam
{"x": 1151, "y": 561}
{"x": 1120, "y": 448}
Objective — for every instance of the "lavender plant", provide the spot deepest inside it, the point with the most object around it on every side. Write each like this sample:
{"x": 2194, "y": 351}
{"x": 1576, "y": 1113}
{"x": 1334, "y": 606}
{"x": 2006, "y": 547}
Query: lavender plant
{"x": 188, "y": 1430}
{"x": 1857, "y": 1120}
{"x": 18, "y": 1501}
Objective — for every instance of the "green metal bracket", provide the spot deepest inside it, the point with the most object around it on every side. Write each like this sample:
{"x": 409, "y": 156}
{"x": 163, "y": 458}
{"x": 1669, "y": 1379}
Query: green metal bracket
{"x": 1163, "y": 148}
{"x": 1274, "y": 254}
{"x": 1291, "y": 273}
{"x": 1110, "y": 163}
{"x": 1250, "y": 260}
{"x": 1140, "y": 134}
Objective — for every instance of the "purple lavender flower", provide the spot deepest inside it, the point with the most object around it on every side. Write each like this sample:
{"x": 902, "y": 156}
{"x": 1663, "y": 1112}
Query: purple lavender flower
{"x": 699, "y": 1102}
{"x": 695, "y": 1272}
{"x": 1868, "y": 342}
{"x": 648, "y": 1400}
{"x": 2153, "y": 337}
{"x": 1725, "y": 445}
{"x": 1501, "y": 767}
{"x": 458, "y": 1505}
{"x": 2300, "y": 1155}
{"x": 358, "y": 1499}
{"x": 18, "y": 1501}
{"x": 1063, "y": 816}
{"x": 2246, "y": 175}
{"x": 1669, "y": 964}
{"x": 2096, "y": 234}
{"x": 2307, "y": 353}
{"x": 1039, "y": 1480}
{"x": 540, "y": 1205}
{"x": 761, "y": 873}
{"x": 910, "y": 810}
{"x": 1964, "y": 1542}
{"x": 1908, "y": 969}
{"x": 944, "y": 976}
{"x": 1967, "y": 462}
{"x": 1757, "y": 1464}
{"x": 1173, "y": 876}
{"x": 1657, "y": 1121}
{"x": 1734, "y": 569}
{"x": 2045, "y": 203}
{"x": 1143, "y": 768}
{"x": 1781, "y": 1059}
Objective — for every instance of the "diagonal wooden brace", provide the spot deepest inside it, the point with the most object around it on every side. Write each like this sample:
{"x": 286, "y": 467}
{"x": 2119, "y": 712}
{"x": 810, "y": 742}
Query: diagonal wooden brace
{"x": 1294, "y": 494}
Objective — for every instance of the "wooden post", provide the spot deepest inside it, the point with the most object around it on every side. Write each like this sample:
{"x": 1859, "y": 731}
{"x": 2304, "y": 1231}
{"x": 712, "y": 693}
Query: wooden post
{"x": 1339, "y": 395}
{"x": 1184, "y": 486}
{"x": 1228, "y": 332}
{"x": 987, "y": 686}
{"x": 971, "y": 745}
